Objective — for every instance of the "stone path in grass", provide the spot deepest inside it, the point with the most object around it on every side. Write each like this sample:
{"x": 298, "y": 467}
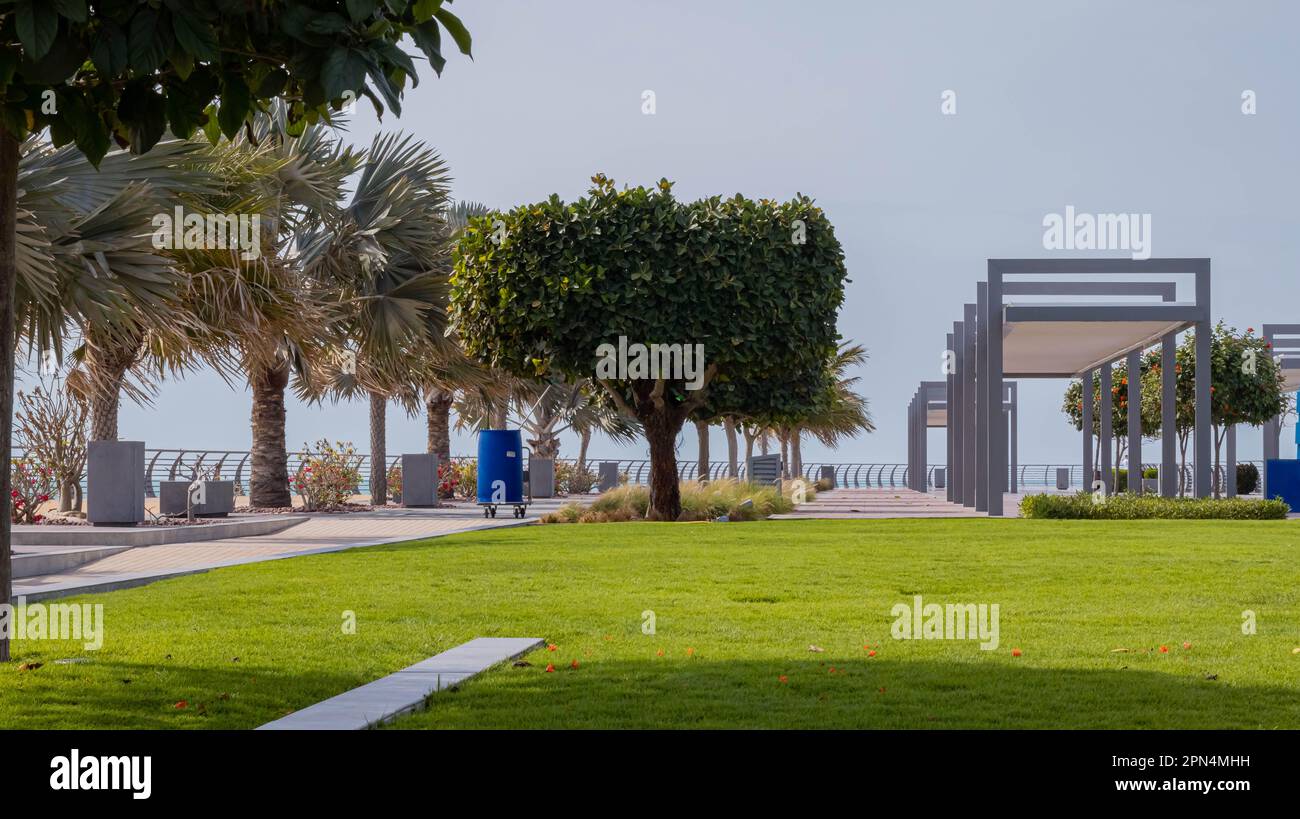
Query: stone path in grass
{"x": 854, "y": 504}
{"x": 316, "y": 534}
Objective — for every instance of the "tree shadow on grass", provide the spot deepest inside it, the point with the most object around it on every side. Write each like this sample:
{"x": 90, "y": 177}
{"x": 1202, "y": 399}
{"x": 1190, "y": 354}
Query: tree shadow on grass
{"x": 861, "y": 694}
{"x": 167, "y": 695}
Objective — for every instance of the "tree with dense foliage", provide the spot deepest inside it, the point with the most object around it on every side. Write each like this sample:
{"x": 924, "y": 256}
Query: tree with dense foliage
{"x": 126, "y": 71}
{"x": 551, "y": 287}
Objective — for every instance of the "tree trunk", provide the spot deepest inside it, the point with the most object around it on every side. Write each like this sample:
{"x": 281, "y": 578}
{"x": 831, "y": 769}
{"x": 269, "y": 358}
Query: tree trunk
{"x": 1182, "y": 463}
{"x": 582, "y": 450}
{"x": 269, "y": 485}
{"x": 8, "y": 277}
{"x": 762, "y": 442}
{"x": 749, "y": 450}
{"x": 702, "y": 461}
{"x": 784, "y": 438}
{"x": 438, "y": 407}
{"x": 665, "y": 493}
{"x": 729, "y": 427}
{"x": 107, "y": 361}
{"x": 796, "y": 452}
{"x": 378, "y": 449}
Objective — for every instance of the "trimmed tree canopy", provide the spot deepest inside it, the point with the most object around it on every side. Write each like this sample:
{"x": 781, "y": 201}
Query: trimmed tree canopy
{"x": 756, "y": 285}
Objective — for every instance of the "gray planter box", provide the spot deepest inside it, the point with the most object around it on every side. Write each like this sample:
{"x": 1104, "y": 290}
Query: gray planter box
{"x": 828, "y": 474}
{"x": 1063, "y": 477}
{"x": 608, "y": 476}
{"x": 764, "y": 470}
{"x": 1151, "y": 486}
{"x": 541, "y": 477}
{"x": 218, "y": 498}
{"x": 420, "y": 480}
{"x": 115, "y": 483}
{"x": 940, "y": 478}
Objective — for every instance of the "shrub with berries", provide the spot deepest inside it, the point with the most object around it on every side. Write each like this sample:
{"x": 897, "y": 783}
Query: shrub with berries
{"x": 328, "y": 475}
{"x": 33, "y": 484}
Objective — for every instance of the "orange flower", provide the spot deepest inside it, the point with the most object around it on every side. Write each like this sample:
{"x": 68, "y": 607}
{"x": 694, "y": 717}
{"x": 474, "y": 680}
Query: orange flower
{"x": 1015, "y": 652}
{"x": 783, "y": 679}
{"x": 182, "y": 704}
{"x": 1187, "y": 646}
{"x": 1164, "y": 649}
{"x": 660, "y": 652}
{"x": 690, "y": 652}
{"x": 550, "y": 667}
{"x": 871, "y": 653}
{"x": 551, "y": 646}
{"x": 574, "y": 665}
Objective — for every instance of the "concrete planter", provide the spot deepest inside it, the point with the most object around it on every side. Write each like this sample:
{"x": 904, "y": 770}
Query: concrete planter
{"x": 420, "y": 480}
{"x": 940, "y": 478}
{"x": 1063, "y": 477}
{"x": 608, "y": 476}
{"x": 115, "y": 483}
{"x": 828, "y": 475}
{"x": 541, "y": 477}
{"x": 218, "y": 498}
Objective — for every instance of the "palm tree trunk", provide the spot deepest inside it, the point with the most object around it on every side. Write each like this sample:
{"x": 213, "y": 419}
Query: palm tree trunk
{"x": 107, "y": 361}
{"x": 582, "y": 450}
{"x": 702, "y": 432}
{"x": 438, "y": 408}
{"x": 729, "y": 427}
{"x": 784, "y": 438}
{"x": 269, "y": 485}
{"x": 8, "y": 277}
{"x": 378, "y": 449}
{"x": 749, "y": 448}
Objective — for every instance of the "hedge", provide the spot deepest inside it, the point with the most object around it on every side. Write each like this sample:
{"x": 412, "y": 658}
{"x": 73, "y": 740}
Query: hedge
{"x": 1083, "y": 506}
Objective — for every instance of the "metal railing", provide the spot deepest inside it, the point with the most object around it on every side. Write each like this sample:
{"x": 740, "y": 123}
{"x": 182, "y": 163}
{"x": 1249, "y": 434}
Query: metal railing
{"x": 235, "y": 465}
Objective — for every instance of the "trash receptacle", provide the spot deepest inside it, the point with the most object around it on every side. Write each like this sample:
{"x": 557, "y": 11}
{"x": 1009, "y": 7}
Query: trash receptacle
{"x": 501, "y": 471}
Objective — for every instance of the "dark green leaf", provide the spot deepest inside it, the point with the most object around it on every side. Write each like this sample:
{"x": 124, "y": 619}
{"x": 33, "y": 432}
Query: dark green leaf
{"x": 148, "y": 42}
{"x": 109, "y": 51}
{"x": 74, "y": 10}
{"x": 144, "y": 112}
{"x": 36, "y": 24}
{"x": 195, "y": 36}
{"x": 456, "y": 29}
{"x": 234, "y": 105}
{"x": 359, "y": 10}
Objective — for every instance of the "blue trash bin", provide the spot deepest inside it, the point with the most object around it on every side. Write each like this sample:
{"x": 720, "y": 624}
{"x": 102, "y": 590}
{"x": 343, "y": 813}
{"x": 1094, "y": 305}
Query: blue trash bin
{"x": 1283, "y": 480}
{"x": 501, "y": 470}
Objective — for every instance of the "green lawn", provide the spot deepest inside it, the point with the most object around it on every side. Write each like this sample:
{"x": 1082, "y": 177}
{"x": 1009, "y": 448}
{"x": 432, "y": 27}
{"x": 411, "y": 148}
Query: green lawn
{"x": 737, "y": 607}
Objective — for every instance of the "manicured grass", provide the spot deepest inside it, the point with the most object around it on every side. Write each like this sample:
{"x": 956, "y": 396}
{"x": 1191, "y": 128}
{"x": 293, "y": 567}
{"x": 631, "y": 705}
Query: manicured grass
{"x": 736, "y": 606}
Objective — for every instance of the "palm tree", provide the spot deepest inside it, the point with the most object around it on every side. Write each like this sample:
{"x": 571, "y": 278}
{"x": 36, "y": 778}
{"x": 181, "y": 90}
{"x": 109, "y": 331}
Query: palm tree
{"x": 842, "y": 414}
{"x": 440, "y": 396}
{"x": 275, "y": 321}
{"x": 384, "y": 256}
{"x": 88, "y": 264}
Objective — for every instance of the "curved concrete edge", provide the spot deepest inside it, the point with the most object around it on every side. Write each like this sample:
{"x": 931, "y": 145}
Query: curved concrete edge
{"x": 34, "y": 564}
{"x": 404, "y": 691}
{"x": 151, "y": 535}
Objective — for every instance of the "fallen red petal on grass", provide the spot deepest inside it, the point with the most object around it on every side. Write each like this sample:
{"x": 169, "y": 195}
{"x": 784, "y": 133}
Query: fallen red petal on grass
{"x": 1015, "y": 652}
{"x": 182, "y": 704}
{"x": 871, "y": 653}
{"x": 882, "y": 689}
{"x": 551, "y": 646}
{"x": 1164, "y": 649}
{"x": 1187, "y": 646}
{"x": 832, "y": 669}
{"x": 573, "y": 664}
{"x": 660, "y": 652}
{"x": 783, "y": 678}
{"x": 690, "y": 652}
{"x": 550, "y": 667}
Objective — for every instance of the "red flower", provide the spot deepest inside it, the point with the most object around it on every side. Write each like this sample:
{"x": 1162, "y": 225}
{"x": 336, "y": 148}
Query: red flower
{"x": 574, "y": 665}
{"x": 1015, "y": 652}
{"x": 550, "y": 667}
{"x": 181, "y": 704}
{"x": 871, "y": 653}
{"x": 1164, "y": 649}
{"x": 783, "y": 679}
{"x": 551, "y": 647}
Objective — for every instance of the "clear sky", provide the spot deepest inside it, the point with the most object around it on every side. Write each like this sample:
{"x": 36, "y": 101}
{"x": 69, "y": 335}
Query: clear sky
{"x": 1107, "y": 106}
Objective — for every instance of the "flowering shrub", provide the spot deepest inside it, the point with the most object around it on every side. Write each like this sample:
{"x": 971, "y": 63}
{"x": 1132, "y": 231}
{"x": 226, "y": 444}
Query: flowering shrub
{"x": 32, "y": 485}
{"x": 328, "y": 476}
{"x": 466, "y": 485}
{"x": 395, "y": 482}
{"x": 448, "y": 481}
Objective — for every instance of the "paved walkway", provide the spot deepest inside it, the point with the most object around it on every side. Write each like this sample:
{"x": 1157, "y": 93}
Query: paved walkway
{"x": 316, "y": 534}
{"x": 854, "y": 504}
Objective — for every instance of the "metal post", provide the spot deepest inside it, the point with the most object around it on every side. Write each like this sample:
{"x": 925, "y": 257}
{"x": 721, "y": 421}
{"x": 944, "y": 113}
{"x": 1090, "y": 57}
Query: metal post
{"x": 1204, "y": 435}
{"x": 968, "y": 401}
{"x": 997, "y": 454}
{"x": 948, "y": 436}
{"x": 1104, "y": 440}
{"x": 956, "y": 411}
{"x": 1169, "y": 477}
{"x": 1230, "y": 471}
{"x": 981, "y": 398}
{"x": 1135, "y": 422}
{"x": 1089, "y": 474}
{"x": 1014, "y": 439}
